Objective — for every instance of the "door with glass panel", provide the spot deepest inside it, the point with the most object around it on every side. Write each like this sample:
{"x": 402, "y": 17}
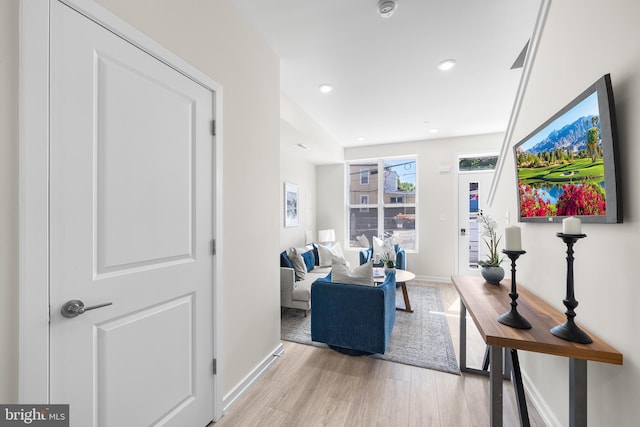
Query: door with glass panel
{"x": 474, "y": 181}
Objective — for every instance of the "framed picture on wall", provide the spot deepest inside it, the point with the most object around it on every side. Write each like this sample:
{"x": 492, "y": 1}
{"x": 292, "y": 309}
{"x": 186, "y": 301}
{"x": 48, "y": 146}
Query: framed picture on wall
{"x": 291, "y": 205}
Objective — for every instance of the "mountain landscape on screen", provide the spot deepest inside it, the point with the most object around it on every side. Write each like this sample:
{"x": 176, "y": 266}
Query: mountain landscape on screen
{"x": 572, "y": 137}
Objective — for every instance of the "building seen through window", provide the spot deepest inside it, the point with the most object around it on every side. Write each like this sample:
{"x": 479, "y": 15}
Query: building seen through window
{"x": 383, "y": 206}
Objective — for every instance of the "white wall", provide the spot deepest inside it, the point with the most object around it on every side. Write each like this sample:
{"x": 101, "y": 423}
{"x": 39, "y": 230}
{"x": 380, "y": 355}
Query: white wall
{"x": 298, "y": 167}
{"x": 437, "y": 197}
{"x": 8, "y": 201}
{"x": 298, "y": 170}
{"x": 582, "y": 40}
{"x": 330, "y": 200}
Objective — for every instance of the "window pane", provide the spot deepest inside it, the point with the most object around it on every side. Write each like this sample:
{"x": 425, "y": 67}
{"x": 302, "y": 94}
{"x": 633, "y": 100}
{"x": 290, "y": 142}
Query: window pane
{"x": 400, "y": 181}
{"x": 400, "y": 223}
{"x": 477, "y": 163}
{"x": 363, "y": 182}
{"x": 362, "y": 221}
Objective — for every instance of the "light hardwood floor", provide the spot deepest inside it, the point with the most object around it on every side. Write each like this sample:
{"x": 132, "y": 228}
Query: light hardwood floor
{"x": 312, "y": 386}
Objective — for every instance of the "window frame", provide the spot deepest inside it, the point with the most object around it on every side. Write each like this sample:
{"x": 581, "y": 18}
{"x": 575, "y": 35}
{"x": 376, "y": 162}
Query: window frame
{"x": 379, "y": 204}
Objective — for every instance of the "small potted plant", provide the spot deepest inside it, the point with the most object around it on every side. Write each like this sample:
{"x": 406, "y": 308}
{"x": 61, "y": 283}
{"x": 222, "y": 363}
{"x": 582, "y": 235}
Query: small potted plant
{"x": 491, "y": 270}
{"x": 389, "y": 255}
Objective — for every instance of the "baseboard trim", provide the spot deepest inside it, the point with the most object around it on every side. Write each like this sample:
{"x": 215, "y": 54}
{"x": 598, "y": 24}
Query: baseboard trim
{"x": 434, "y": 279}
{"x": 540, "y": 404}
{"x": 247, "y": 382}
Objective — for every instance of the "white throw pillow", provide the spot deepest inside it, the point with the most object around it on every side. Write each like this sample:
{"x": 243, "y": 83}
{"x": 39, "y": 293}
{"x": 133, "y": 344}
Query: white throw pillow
{"x": 361, "y": 275}
{"x": 363, "y": 241}
{"x": 324, "y": 256}
{"x": 298, "y": 264}
{"x": 378, "y": 249}
{"x": 329, "y": 255}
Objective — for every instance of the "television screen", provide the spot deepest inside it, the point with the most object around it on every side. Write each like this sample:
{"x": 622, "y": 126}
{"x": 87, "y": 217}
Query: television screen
{"x": 568, "y": 165}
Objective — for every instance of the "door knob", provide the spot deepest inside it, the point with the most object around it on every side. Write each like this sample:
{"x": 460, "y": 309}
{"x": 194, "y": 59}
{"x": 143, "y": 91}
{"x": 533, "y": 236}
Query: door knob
{"x": 75, "y": 307}
{"x": 463, "y": 231}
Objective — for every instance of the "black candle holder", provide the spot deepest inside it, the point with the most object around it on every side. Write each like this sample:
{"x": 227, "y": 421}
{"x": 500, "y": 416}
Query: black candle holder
{"x": 569, "y": 330}
{"x": 512, "y": 317}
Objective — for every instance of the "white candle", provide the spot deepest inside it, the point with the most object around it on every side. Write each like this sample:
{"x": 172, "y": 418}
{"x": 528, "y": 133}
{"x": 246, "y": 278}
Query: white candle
{"x": 513, "y": 240}
{"x": 571, "y": 225}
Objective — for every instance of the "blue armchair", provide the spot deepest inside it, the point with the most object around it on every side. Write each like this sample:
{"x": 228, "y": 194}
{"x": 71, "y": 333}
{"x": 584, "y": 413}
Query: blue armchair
{"x": 401, "y": 257}
{"x": 355, "y": 318}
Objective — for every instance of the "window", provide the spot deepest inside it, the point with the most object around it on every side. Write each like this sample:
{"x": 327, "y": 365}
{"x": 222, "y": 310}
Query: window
{"x": 383, "y": 207}
{"x": 364, "y": 200}
{"x": 477, "y": 163}
{"x": 364, "y": 176}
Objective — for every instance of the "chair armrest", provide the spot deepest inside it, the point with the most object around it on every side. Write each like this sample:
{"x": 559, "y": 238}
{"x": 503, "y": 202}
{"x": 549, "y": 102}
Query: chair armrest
{"x": 287, "y": 279}
{"x": 365, "y": 255}
{"x": 401, "y": 259}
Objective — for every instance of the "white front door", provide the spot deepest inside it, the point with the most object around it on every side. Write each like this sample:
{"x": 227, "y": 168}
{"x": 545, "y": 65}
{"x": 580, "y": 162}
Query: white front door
{"x": 473, "y": 189}
{"x": 131, "y": 214}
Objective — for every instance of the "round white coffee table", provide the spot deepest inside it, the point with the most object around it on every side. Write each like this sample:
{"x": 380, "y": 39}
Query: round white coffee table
{"x": 402, "y": 277}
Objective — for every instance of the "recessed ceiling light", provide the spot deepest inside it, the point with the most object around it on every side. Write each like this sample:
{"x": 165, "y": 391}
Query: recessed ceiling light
{"x": 447, "y": 64}
{"x": 361, "y": 138}
{"x": 433, "y": 130}
{"x": 325, "y": 88}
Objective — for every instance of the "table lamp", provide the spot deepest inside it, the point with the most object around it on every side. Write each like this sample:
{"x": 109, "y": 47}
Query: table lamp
{"x": 327, "y": 236}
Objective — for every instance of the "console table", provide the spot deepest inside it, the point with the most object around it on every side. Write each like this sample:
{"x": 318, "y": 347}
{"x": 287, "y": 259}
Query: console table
{"x": 485, "y": 302}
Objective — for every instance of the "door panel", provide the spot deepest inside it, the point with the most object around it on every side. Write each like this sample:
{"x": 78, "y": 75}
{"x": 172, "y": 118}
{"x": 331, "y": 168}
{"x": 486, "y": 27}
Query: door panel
{"x": 152, "y": 205}
{"x": 131, "y": 216}
{"x": 173, "y": 351}
{"x": 473, "y": 189}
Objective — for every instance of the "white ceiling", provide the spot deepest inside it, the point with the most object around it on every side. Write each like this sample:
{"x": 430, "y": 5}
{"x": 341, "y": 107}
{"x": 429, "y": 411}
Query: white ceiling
{"x": 384, "y": 71}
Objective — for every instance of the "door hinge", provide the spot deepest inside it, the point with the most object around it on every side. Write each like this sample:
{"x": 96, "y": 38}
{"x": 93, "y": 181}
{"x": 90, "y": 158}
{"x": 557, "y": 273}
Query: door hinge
{"x": 213, "y": 246}
{"x": 213, "y": 127}
{"x": 215, "y": 367}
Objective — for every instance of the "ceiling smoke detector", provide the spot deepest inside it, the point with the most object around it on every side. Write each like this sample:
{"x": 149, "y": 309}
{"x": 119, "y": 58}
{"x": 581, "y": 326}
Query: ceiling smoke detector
{"x": 386, "y": 8}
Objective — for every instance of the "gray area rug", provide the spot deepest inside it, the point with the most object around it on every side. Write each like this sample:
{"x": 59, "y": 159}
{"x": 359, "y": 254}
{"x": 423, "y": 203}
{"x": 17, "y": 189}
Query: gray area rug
{"x": 420, "y": 338}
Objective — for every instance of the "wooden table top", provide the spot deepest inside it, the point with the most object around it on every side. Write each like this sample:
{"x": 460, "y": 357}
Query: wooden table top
{"x": 485, "y": 302}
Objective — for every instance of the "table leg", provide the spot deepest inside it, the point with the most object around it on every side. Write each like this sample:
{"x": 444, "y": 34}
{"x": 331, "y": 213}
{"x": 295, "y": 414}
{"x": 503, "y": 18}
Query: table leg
{"x": 463, "y": 346}
{"x": 577, "y": 393}
{"x": 506, "y": 366}
{"x": 495, "y": 386}
{"x": 463, "y": 337}
{"x": 519, "y": 389}
{"x": 405, "y": 294}
{"x": 485, "y": 359}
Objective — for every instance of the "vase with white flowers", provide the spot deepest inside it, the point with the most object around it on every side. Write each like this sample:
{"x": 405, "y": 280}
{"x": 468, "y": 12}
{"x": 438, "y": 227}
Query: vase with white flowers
{"x": 388, "y": 255}
{"x": 491, "y": 270}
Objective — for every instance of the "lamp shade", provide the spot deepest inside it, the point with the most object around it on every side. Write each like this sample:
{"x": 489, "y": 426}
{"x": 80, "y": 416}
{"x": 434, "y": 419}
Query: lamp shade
{"x": 326, "y": 236}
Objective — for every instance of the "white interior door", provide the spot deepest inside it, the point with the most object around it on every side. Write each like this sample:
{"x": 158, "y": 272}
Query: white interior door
{"x": 473, "y": 188}
{"x": 131, "y": 214}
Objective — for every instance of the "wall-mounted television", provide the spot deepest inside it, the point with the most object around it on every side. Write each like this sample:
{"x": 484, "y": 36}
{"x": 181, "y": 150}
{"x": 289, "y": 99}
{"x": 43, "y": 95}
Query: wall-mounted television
{"x": 568, "y": 166}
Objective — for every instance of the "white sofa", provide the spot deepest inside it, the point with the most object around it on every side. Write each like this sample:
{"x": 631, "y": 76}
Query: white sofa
{"x": 298, "y": 294}
{"x": 313, "y": 261}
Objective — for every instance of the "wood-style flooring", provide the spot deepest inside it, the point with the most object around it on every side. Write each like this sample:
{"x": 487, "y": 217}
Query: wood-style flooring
{"x": 311, "y": 386}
